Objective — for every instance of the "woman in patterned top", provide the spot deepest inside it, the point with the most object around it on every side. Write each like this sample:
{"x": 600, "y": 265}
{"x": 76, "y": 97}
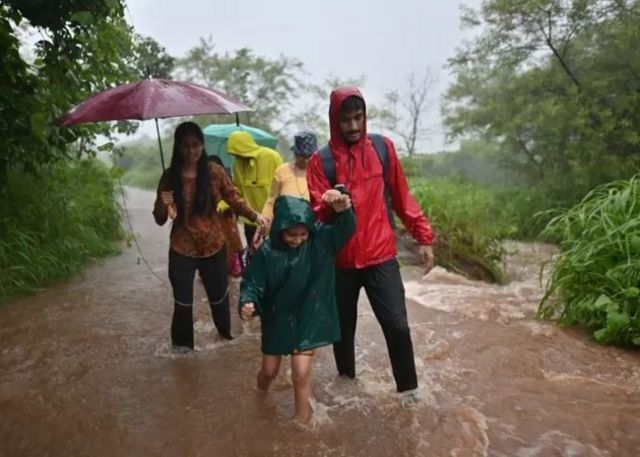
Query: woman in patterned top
{"x": 230, "y": 227}
{"x": 189, "y": 190}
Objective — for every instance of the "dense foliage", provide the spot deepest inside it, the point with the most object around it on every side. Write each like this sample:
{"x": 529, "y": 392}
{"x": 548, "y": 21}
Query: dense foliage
{"x": 596, "y": 278}
{"x": 553, "y": 85}
{"x": 54, "y": 222}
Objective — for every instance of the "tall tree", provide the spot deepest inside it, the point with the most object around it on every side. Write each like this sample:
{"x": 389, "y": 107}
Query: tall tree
{"x": 79, "y": 52}
{"x": 404, "y": 111}
{"x": 150, "y": 59}
{"x": 269, "y": 86}
{"x": 554, "y": 84}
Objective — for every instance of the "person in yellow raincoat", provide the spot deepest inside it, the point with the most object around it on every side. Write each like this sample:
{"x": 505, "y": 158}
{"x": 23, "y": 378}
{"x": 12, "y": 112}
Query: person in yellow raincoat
{"x": 253, "y": 171}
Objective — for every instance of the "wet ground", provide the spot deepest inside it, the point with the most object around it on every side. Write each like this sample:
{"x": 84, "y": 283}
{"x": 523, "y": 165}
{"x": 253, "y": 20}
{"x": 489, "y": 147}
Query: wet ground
{"x": 86, "y": 370}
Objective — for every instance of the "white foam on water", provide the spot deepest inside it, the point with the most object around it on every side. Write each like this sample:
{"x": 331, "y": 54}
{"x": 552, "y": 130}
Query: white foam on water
{"x": 471, "y": 436}
{"x": 412, "y": 399}
{"x": 375, "y": 383}
{"x": 454, "y": 293}
{"x": 251, "y": 328}
{"x": 481, "y": 301}
{"x": 375, "y": 386}
{"x": 320, "y": 416}
{"x": 426, "y": 346}
{"x": 347, "y": 394}
{"x": 631, "y": 388}
{"x": 558, "y": 443}
{"x": 165, "y": 350}
{"x": 537, "y": 328}
{"x": 200, "y": 326}
{"x": 215, "y": 345}
{"x": 371, "y": 388}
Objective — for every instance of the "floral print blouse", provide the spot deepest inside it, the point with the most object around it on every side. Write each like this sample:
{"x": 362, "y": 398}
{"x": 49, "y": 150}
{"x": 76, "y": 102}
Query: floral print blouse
{"x": 200, "y": 235}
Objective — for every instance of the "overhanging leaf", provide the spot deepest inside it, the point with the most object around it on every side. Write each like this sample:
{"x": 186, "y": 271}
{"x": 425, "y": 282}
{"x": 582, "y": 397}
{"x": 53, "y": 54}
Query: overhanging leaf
{"x": 37, "y": 125}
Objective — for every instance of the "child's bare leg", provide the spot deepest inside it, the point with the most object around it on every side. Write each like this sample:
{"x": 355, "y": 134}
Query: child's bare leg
{"x": 301, "y": 374}
{"x": 268, "y": 371}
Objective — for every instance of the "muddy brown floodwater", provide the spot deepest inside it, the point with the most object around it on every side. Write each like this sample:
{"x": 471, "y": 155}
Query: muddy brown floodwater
{"x": 86, "y": 370}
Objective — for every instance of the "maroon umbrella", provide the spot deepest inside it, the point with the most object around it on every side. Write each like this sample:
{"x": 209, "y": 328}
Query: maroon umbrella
{"x": 152, "y": 99}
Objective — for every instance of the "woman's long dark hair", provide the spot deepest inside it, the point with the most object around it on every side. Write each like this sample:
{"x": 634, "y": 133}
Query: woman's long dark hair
{"x": 203, "y": 204}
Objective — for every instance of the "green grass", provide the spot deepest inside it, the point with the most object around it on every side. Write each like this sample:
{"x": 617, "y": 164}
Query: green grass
{"x": 54, "y": 223}
{"x": 468, "y": 235}
{"x": 595, "y": 280}
{"x": 472, "y": 220}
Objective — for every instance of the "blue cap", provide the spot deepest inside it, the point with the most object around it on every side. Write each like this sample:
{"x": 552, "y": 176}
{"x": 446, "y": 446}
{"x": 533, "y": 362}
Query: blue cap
{"x": 305, "y": 144}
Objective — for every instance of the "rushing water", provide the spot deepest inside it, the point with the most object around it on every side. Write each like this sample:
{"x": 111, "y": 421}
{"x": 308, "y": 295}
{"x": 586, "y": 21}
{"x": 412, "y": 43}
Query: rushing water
{"x": 86, "y": 370}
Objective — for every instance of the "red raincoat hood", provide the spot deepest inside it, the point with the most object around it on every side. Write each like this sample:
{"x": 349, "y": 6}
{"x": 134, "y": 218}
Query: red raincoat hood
{"x": 338, "y": 96}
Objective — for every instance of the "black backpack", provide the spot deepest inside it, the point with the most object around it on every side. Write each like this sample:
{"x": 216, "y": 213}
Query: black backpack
{"x": 329, "y": 169}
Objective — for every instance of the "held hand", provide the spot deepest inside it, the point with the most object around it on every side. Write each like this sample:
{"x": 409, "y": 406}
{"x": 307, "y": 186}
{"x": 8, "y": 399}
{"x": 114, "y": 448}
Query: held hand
{"x": 247, "y": 310}
{"x": 172, "y": 211}
{"x": 338, "y": 201}
{"x": 342, "y": 203}
{"x": 167, "y": 197}
{"x": 258, "y": 239}
{"x": 261, "y": 221}
{"x": 427, "y": 257}
{"x": 267, "y": 226}
{"x": 330, "y": 196}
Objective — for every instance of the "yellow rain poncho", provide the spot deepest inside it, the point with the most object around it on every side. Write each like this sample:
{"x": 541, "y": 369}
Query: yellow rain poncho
{"x": 253, "y": 168}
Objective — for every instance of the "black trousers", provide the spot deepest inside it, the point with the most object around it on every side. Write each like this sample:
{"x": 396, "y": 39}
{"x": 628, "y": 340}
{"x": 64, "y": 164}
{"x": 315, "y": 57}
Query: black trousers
{"x": 213, "y": 271}
{"x": 384, "y": 288}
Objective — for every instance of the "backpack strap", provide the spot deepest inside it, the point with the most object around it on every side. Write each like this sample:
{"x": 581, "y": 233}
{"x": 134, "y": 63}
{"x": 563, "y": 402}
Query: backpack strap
{"x": 328, "y": 164}
{"x": 383, "y": 154}
{"x": 329, "y": 169}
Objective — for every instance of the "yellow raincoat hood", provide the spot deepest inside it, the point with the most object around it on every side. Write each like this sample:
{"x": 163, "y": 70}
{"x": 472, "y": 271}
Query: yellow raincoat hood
{"x": 253, "y": 168}
{"x": 242, "y": 144}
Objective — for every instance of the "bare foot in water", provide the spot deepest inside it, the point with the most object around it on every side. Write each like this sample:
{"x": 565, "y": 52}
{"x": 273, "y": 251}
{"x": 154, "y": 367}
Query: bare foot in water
{"x": 302, "y": 423}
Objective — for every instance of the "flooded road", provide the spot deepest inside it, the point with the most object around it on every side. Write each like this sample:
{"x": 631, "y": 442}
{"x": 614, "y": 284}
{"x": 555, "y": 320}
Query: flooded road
{"x": 86, "y": 370}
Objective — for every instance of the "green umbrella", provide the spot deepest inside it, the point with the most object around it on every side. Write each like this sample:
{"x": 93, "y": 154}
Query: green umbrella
{"x": 216, "y": 136}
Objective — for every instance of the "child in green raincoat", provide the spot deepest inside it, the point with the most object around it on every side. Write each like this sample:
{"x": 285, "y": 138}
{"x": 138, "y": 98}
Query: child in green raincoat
{"x": 290, "y": 284}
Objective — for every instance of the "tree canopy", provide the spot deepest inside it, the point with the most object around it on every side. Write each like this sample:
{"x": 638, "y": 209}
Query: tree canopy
{"x": 79, "y": 51}
{"x": 267, "y": 85}
{"x": 555, "y": 85}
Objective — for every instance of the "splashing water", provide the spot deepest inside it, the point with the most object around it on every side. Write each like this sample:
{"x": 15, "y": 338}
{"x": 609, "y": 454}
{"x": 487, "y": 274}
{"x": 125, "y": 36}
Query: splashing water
{"x": 86, "y": 368}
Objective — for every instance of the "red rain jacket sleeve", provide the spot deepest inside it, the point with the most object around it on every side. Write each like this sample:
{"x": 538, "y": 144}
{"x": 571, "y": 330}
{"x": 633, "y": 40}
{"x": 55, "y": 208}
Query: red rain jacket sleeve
{"x": 404, "y": 204}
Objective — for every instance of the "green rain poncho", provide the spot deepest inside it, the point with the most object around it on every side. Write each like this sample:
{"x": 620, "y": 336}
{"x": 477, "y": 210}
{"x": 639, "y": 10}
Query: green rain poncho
{"x": 294, "y": 288}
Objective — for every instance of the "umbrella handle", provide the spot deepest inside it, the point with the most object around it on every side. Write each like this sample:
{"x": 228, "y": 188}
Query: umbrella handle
{"x": 160, "y": 144}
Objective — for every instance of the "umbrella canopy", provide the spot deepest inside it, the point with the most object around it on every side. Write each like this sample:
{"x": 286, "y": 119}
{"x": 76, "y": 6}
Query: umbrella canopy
{"x": 152, "y": 99}
{"x": 216, "y": 136}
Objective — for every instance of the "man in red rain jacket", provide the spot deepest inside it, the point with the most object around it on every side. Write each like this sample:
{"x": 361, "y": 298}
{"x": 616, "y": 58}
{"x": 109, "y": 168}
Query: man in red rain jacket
{"x": 368, "y": 260}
